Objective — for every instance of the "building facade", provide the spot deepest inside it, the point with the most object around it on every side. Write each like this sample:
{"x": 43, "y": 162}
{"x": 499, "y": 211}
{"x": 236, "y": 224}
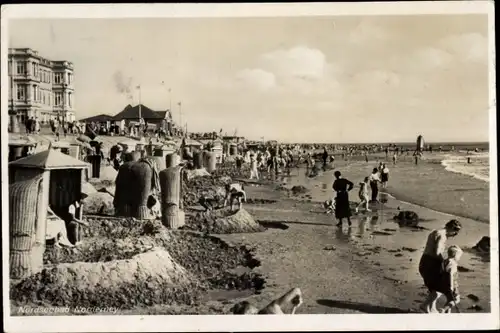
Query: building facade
{"x": 40, "y": 88}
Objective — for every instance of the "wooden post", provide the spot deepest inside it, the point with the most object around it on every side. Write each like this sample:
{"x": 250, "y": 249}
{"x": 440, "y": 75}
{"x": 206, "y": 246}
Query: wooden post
{"x": 27, "y": 227}
{"x": 170, "y": 182}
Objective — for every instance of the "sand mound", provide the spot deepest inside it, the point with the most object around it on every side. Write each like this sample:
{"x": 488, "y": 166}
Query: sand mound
{"x": 150, "y": 276}
{"x": 223, "y": 222}
{"x": 299, "y": 189}
{"x": 212, "y": 260}
{"x": 119, "y": 227}
{"x": 88, "y": 188}
{"x": 190, "y": 174}
{"x": 206, "y": 185}
{"x": 147, "y": 278}
{"x": 108, "y": 173}
{"x": 99, "y": 203}
{"x": 483, "y": 245}
{"x": 407, "y": 218}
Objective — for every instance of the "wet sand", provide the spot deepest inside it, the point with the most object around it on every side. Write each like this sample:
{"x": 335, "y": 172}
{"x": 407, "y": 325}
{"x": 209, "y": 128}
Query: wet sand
{"x": 373, "y": 266}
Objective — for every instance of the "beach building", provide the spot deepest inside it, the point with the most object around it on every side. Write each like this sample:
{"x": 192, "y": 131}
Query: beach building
{"x": 130, "y": 115}
{"x": 39, "y": 87}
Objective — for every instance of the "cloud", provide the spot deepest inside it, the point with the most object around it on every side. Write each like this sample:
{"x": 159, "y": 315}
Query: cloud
{"x": 377, "y": 78}
{"x": 470, "y": 47}
{"x": 452, "y": 53}
{"x": 367, "y": 32}
{"x": 298, "y": 62}
{"x": 431, "y": 58}
{"x": 257, "y": 78}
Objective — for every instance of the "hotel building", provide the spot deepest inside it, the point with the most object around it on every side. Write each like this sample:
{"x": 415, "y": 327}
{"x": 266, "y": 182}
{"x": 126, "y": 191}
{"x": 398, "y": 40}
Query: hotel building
{"x": 40, "y": 88}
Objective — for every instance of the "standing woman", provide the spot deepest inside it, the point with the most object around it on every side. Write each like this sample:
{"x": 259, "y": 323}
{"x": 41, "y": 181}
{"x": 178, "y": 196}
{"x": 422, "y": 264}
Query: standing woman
{"x": 374, "y": 180}
{"x": 384, "y": 175}
{"x": 431, "y": 262}
{"x": 342, "y": 209}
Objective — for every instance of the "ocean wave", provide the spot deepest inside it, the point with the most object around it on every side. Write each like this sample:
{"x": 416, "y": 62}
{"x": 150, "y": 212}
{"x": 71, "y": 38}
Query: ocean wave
{"x": 479, "y": 169}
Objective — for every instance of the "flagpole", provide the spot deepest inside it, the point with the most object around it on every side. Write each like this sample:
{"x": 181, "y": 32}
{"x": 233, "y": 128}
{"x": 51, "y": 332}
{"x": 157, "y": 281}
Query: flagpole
{"x": 170, "y": 98}
{"x": 180, "y": 115}
{"x": 140, "y": 114}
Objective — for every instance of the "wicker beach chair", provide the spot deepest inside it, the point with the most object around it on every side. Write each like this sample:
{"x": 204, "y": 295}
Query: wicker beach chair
{"x": 27, "y": 229}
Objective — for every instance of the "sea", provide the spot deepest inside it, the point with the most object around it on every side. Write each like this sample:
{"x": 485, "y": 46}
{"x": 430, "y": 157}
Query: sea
{"x": 479, "y": 166}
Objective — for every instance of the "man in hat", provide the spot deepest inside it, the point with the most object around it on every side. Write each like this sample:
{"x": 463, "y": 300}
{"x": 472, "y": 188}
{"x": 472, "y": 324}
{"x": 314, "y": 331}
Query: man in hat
{"x": 65, "y": 232}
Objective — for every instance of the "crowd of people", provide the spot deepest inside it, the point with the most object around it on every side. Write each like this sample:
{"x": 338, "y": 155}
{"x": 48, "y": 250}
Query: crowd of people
{"x": 438, "y": 265}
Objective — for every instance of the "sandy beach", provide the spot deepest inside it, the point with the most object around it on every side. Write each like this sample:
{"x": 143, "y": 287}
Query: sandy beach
{"x": 339, "y": 268}
{"x": 371, "y": 267}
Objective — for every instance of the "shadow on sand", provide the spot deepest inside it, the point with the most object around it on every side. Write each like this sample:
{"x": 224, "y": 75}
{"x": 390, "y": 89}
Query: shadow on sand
{"x": 362, "y": 307}
{"x": 273, "y": 225}
{"x": 283, "y": 224}
{"x": 308, "y": 223}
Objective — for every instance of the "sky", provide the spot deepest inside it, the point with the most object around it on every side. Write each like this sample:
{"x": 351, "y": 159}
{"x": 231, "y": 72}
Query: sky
{"x": 293, "y": 79}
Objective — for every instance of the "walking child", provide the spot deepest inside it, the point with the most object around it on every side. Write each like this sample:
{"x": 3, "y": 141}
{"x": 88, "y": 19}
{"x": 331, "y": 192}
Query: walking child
{"x": 384, "y": 175}
{"x": 450, "y": 279}
{"x": 363, "y": 195}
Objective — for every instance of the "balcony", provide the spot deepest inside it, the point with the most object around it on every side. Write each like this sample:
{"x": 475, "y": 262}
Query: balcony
{"x": 62, "y": 85}
{"x": 26, "y": 77}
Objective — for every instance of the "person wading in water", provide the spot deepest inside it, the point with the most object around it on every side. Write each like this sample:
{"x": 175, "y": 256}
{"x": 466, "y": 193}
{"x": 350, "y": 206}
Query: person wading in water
{"x": 431, "y": 262}
{"x": 325, "y": 158}
{"x": 374, "y": 180}
{"x": 384, "y": 175}
{"x": 342, "y": 187}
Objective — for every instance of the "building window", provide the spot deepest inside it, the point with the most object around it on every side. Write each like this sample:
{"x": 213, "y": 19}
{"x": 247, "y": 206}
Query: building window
{"x": 10, "y": 67}
{"x": 70, "y": 100}
{"x": 58, "y": 78}
{"x": 36, "y": 93}
{"x": 35, "y": 70}
{"x": 70, "y": 78}
{"x": 21, "y": 92}
{"x": 21, "y": 68}
{"x": 58, "y": 99}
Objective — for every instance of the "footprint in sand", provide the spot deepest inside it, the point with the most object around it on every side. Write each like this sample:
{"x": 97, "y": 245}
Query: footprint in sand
{"x": 409, "y": 249}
